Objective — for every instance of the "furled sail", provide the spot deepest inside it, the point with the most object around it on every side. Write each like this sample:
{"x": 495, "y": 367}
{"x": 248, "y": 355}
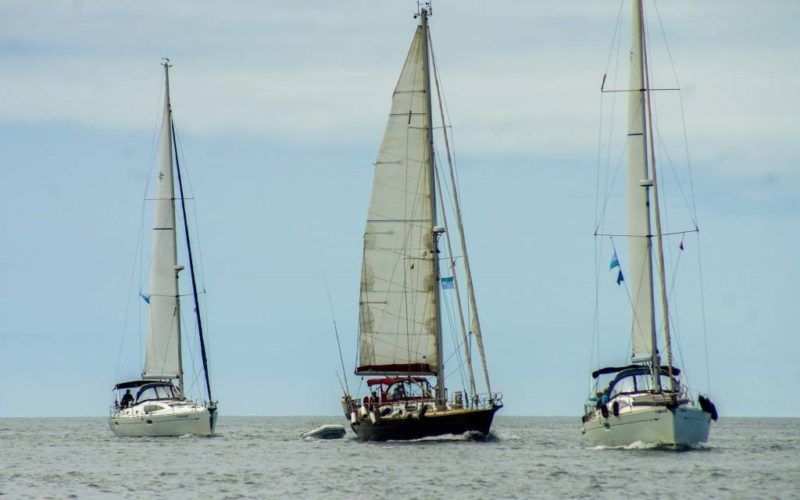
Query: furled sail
{"x": 162, "y": 356}
{"x": 640, "y": 270}
{"x": 398, "y": 311}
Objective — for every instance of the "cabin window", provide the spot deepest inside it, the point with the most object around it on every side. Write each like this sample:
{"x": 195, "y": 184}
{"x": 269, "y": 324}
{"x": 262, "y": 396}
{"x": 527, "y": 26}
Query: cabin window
{"x": 624, "y": 385}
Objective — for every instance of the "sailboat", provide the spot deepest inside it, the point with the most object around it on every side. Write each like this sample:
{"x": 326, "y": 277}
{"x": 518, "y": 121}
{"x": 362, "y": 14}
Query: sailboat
{"x": 155, "y": 404}
{"x": 400, "y": 307}
{"x": 645, "y": 401}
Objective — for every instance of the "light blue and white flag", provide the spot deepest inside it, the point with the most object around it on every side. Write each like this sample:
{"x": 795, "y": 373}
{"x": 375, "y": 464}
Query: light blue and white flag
{"x": 144, "y": 297}
{"x": 614, "y": 261}
{"x": 447, "y": 282}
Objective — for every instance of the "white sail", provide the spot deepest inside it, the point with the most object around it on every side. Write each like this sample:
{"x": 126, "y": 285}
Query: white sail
{"x": 640, "y": 272}
{"x": 162, "y": 357}
{"x": 398, "y": 312}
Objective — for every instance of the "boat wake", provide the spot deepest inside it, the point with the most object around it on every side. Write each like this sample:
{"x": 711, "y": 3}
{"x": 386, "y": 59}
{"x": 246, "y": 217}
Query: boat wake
{"x": 469, "y": 436}
{"x": 641, "y": 445}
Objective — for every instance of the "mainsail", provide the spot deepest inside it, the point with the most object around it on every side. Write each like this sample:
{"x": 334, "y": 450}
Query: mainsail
{"x": 162, "y": 357}
{"x": 398, "y": 317}
{"x": 640, "y": 274}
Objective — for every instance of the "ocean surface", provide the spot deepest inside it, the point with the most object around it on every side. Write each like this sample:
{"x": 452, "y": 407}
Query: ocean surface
{"x": 264, "y": 457}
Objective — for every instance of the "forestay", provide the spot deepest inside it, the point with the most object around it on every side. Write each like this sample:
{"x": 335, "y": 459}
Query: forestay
{"x": 162, "y": 357}
{"x": 398, "y": 311}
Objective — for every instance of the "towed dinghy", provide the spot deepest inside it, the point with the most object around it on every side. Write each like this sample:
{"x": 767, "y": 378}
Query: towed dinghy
{"x": 329, "y": 431}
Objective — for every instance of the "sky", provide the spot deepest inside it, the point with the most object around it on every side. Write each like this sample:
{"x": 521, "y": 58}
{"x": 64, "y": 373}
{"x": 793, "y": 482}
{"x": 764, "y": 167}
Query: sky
{"x": 280, "y": 109}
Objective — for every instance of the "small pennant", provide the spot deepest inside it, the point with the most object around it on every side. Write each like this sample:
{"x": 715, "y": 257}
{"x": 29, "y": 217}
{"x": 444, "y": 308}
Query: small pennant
{"x": 620, "y": 277}
{"x": 614, "y": 261}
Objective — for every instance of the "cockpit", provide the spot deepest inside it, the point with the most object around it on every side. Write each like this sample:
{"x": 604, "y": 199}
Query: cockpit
{"x": 634, "y": 378}
{"x": 138, "y": 391}
{"x": 399, "y": 389}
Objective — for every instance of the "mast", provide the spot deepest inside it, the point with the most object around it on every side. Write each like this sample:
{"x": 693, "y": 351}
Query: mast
{"x": 178, "y": 268}
{"x": 189, "y": 252}
{"x": 440, "y": 385}
{"x": 639, "y": 208}
{"x": 657, "y": 216}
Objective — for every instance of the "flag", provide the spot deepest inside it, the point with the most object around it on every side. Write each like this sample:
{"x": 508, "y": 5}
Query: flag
{"x": 620, "y": 278}
{"x": 447, "y": 282}
{"x": 144, "y": 297}
{"x": 681, "y": 245}
{"x": 614, "y": 261}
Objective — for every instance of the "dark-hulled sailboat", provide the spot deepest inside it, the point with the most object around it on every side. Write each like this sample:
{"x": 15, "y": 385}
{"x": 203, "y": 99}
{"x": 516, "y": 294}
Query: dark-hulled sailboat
{"x": 406, "y": 241}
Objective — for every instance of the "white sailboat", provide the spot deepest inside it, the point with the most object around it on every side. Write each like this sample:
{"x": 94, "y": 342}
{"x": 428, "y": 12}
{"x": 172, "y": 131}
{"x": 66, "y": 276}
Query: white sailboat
{"x": 645, "y": 401}
{"x": 155, "y": 404}
{"x": 400, "y": 316}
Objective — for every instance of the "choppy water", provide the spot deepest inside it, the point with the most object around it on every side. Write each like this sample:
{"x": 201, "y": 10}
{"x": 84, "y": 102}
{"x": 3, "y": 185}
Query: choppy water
{"x": 263, "y": 457}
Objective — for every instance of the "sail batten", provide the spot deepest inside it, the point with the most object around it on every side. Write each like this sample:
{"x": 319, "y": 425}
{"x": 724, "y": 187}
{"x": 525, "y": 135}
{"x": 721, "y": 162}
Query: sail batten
{"x": 398, "y": 314}
{"x": 162, "y": 354}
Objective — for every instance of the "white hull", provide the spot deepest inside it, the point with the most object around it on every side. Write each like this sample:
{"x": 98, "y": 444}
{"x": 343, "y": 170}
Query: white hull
{"x": 683, "y": 427}
{"x": 164, "y": 418}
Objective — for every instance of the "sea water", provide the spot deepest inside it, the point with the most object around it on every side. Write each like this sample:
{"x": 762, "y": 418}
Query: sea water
{"x": 264, "y": 457}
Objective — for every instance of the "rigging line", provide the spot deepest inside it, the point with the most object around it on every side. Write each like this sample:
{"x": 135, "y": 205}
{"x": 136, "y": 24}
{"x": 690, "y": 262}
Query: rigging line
{"x": 191, "y": 347}
{"x": 683, "y": 112}
{"x": 190, "y": 187}
{"x": 134, "y": 267}
{"x": 615, "y": 42}
{"x": 597, "y": 173}
{"x": 595, "y": 347}
{"x": 191, "y": 265}
{"x": 445, "y": 117}
{"x": 140, "y": 257}
{"x": 639, "y": 90}
{"x": 456, "y": 351}
{"x": 634, "y": 317}
{"x": 703, "y": 312}
{"x": 616, "y": 34}
{"x": 457, "y": 299}
{"x": 472, "y": 301}
{"x": 623, "y": 235}
{"x": 609, "y": 185}
{"x": 673, "y": 299}
{"x": 154, "y": 137}
{"x": 673, "y": 170}
{"x": 200, "y": 275}
{"x": 336, "y": 331}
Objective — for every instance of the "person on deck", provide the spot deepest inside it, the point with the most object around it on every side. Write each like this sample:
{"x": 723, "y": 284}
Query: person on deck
{"x": 127, "y": 399}
{"x": 373, "y": 401}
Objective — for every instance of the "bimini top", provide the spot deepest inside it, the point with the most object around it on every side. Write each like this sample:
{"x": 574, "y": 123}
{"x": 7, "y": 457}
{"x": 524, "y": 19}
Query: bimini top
{"x": 394, "y": 380}
{"x": 615, "y": 369}
{"x": 139, "y": 383}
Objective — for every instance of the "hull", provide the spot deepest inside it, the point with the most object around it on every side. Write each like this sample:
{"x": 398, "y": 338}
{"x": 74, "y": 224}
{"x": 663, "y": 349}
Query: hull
{"x": 436, "y": 423}
{"x": 169, "y": 421}
{"x": 682, "y": 427}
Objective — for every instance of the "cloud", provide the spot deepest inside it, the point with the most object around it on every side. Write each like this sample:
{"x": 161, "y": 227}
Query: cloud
{"x": 520, "y": 77}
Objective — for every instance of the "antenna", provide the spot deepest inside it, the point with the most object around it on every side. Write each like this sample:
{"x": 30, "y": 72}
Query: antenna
{"x": 336, "y": 331}
{"x": 424, "y": 7}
